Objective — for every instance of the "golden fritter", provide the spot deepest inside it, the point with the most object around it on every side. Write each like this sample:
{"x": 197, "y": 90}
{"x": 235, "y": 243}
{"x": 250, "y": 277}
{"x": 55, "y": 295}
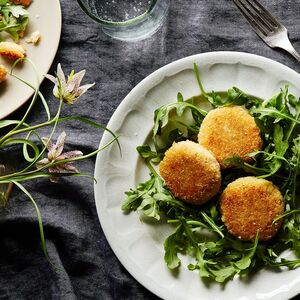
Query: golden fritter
{"x": 248, "y": 205}
{"x": 3, "y": 73}
{"x": 22, "y": 2}
{"x": 191, "y": 172}
{"x": 228, "y": 132}
{"x": 12, "y": 50}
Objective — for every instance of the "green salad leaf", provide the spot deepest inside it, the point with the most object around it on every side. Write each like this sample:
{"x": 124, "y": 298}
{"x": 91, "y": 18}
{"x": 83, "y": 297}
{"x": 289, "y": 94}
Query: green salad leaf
{"x": 174, "y": 115}
{"x": 13, "y": 19}
{"x": 200, "y": 232}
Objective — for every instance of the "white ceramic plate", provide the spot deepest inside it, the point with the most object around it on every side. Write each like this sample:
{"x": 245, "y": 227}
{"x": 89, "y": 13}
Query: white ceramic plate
{"x": 139, "y": 246}
{"x": 45, "y": 16}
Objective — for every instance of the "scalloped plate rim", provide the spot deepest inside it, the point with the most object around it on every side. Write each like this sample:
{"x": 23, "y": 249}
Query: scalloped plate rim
{"x": 146, "y": 84}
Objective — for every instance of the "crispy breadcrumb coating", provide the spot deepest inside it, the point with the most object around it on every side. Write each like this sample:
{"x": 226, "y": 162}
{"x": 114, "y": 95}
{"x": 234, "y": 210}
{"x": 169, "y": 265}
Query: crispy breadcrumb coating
{"x": 34, "y": 38}
{"x": 3, "y": 73}
{"x": 248, "y": 205}
{"x": 11, "y": 50}
{"x": 228, "y": 132}
{"x": 191, "y": 172}
{"x": 22, "y": 2}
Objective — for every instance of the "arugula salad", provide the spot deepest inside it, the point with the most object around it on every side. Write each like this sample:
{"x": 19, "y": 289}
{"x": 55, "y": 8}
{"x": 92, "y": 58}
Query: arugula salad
{"x": 219, "y": 255}
{"x": 13, "y": 19}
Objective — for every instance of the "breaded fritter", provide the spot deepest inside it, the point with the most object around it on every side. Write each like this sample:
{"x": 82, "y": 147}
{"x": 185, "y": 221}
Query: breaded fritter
{"x": 248, "y": 205}
{"x": 22, "y": 2}
{"x": 12, "y": 50}
{"x": 191, "y": 172}
{"x": 228, "y": 132}
{"x": 3, "y": 73}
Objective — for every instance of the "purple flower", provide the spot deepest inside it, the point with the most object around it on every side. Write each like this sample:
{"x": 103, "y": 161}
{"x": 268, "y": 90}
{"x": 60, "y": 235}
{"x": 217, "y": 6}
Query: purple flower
{"x": 55, "y": 154}
{"x": 69, "y": 90}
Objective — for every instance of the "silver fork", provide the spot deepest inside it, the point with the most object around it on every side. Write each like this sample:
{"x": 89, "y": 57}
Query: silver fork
{"x": 266, "y": 26}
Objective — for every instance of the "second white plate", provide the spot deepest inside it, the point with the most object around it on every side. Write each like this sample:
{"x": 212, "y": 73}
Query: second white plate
{"x": 45, "y": 17}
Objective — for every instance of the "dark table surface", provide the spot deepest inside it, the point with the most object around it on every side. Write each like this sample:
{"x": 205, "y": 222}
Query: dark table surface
{"x": 75, "y": 241}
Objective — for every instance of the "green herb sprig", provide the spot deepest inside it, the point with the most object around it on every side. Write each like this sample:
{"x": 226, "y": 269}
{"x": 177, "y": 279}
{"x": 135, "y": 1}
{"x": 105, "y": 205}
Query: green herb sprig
{"x": 56, "y": 164}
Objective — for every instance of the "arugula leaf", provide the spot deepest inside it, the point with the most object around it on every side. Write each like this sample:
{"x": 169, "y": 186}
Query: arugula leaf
{"x": 280, "y": 144}
{"x": 212, "y": 224}
{"x": 151, "y": 197}
{"x": 134, "y": 198}
{"x": 18, "y": 11}
{"x": 172, "y": 248}
{"x": 170, "y": 113}
{"x": 234, "y": 95}
{"x": 246, "y": 259}
{"x": 276, "y": 109}
{"x": 146, "y": 153}
{"x": 14, "y": 19}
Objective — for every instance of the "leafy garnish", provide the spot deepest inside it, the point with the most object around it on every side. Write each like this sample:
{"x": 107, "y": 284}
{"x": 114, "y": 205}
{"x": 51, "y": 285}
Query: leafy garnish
{"x": 13, "y": 19}
{"x": 199, "y": 232}
{"x": 175, "y": 115}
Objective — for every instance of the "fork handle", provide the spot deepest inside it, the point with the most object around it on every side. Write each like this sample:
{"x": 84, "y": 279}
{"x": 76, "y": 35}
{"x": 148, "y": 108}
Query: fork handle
{"x": 281, "y": 40}
{"x": 289, "y": 48}
{"x": 285, "y": 44}
{"x": 295, "y": 54}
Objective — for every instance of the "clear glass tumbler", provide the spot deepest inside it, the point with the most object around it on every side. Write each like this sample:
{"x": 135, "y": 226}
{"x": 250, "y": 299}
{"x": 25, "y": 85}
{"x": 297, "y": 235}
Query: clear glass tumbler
{"x": 127, "y": 20}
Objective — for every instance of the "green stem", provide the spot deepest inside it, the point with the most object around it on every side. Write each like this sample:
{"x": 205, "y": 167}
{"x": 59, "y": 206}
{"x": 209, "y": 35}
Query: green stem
{"x": 291, "y": 129}
{"x": 212, "y": 224}
{"x": 55, "y": 163}
{"x": 92, "y": 123}
{"x": 36, "y": 92}
{"x": 45, "y": 175}
{"x": 278, "y": 113}
{"x": 55, "y": 121}
{"x": 196, "y": 70}
{"x": 39, "y": 216}
{"x": 39, "y": 93}
{"x": 9, "y": 134}
{"x": 295, "y": 175}
{"x": 150, "y": 167}
{"x": 197, "y": 223}
{"x": 290, "y": 212}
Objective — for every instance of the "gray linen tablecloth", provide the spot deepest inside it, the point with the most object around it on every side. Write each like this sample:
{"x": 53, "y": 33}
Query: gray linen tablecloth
{"x": 74, "y": 236}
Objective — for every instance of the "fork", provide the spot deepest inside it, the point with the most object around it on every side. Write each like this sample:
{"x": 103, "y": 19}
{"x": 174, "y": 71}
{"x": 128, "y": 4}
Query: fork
{"x": 273, "y": 33}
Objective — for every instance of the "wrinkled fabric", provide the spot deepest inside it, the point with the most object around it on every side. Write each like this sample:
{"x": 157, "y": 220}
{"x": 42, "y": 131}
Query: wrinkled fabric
{"x": 76, "y": 243}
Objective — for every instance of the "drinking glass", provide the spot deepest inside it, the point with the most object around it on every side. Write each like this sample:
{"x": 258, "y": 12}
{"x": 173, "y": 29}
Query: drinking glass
{"x": 127, "y": 20}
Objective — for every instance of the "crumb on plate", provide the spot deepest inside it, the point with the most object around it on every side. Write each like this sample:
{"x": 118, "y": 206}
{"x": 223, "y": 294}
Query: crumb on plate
{"x": 34, "y": 38}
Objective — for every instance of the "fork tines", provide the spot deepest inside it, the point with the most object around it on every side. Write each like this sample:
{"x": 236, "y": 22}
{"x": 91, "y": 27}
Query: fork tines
{"x": 263, "y": 22}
